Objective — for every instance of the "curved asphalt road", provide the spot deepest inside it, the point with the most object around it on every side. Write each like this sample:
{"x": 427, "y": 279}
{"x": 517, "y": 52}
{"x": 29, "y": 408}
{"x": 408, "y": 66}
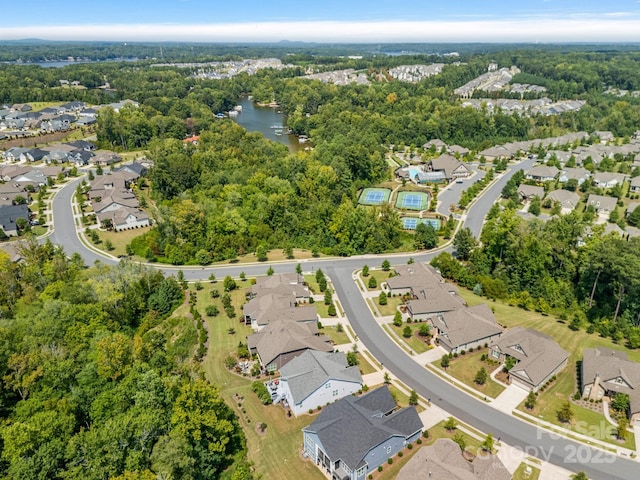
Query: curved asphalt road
{"x": 534, "y": 441}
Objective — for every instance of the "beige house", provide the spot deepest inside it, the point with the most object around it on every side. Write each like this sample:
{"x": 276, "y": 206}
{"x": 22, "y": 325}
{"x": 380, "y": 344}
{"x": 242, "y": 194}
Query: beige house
{"x": 466, "y": 328}
{"x": 283, "y": 340}
{"x": 605, "y": 372}
{"x": 444, "y": 460}
{"x": 538, "y": 357}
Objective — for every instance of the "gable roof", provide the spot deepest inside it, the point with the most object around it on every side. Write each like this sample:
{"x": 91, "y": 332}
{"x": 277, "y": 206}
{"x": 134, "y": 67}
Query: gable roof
{"x": 309, "y": 371}
{"x": 448, "y": 164}
{"x": 602, "y": 203}
{"x": 610, "y": 364}
{"x": 350, "y": 427}
{"x": 284, "y": 336}
{"x": 537, "y": 354}
{"x": 542, "y": 171}
{"x": 467, "y": 325}
{"x": 566, "y": 198}
{"x": 444, "y": 460}
{"x": 10, "y": 213}
{"x": 530, "y": 191}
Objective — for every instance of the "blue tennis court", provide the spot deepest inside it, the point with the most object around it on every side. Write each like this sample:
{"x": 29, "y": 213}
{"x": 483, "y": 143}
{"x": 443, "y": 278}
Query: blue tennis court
{"x": 411, "y": 223}
{"x": 374, "y": 196}
{"x": 411, "y": 200}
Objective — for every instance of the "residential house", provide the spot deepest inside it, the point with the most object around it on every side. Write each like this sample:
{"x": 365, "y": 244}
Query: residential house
{"x": 74, "y": 106}
{"x": 33, "y": 177}
{"x": 283, "y": 340}
{"x": 444, "y": 460}
{"x": 603, "y": 205}
{"x": 527, "y": 192}
{"x": 605, "y": 372}
{"x": 283, "y": 284}
{"x": 450, "y": 166}
{"x": 14, "y": 250}
{"x": 135, "y": 168}
{"x": 538, "y": 357}
{"x": 567, "y": 200}
{"x": 432, "y": 301}
{"x": 56, "y": 156}
{"x": 35, "y": 154}
{"x": 317, "y": 378}
{"x": 105, "y": 158}
{"x": 82, "y": 145}
{"x": 9, "y": 216}
{"x": 11, "y": 191}
{"x": 15, "y": 154}
{"x": 465, "y": 328}
{"x": 496, "y": 153}
{"x": 608, "y": 179}
{"x": 635, "y": 185}
{"x": 631, "y": 207}
{"x": 119, "y": 105}
{"x": 560, "y": 155}
{"x": 10, "y": 172}
{"x": 126, "y": 218}
{"x": 458, "y": 151}
{"x": 21, "y": 107}
{"x": 352, "y": 437}
{"x": 604, "y": 136}
{"x": 265, "y": 309}
{"x": 112, "y": 203}
{"x": 542, "y": 173}
{"x": 580, "y": 174}
{"x": 84, "y": 121}
{"x": 80, "y": 157}
{"x": 436, "y": 144}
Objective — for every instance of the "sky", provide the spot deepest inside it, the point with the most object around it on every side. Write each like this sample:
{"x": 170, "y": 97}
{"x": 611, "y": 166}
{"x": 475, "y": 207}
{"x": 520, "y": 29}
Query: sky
{"x": 358, "y": 21}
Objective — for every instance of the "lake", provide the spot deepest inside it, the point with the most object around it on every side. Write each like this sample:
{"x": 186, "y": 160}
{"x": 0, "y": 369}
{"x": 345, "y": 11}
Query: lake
{"x": 262, "y": 119}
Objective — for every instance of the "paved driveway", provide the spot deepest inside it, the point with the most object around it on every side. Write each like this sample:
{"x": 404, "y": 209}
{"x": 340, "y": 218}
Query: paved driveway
{"x": 509, "y": 399}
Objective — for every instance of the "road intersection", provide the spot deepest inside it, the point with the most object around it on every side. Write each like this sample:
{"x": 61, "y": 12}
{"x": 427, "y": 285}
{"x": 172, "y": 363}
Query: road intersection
{"x": 532, "y": 440}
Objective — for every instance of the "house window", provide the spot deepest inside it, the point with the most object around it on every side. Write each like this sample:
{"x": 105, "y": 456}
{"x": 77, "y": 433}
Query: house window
{"x": 495, "y": 354}
{"x": 327, "y": 385}
{"x": 619, "y": 381}
{"x": 361, "y": 472}
{"x": 388, "y": 448}
{"x": 335, "y": 393}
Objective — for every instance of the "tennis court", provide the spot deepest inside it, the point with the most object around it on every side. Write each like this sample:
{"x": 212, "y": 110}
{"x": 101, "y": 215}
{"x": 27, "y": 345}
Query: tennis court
{"x": 412, "y": 200}
{"x": 411, "y": 223}
{"x": 374, "y": 196}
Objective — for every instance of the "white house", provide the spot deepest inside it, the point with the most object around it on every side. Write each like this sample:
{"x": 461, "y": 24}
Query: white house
{"x": 317, "y": 378}
{"x": 635, "y": 185}
{"x": 607, "y": 179}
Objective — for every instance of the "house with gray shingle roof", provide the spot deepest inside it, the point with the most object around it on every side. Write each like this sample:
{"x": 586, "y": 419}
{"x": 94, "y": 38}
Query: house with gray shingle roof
{"x": 444, "y": 460}
{"x": 527, "y": 192}
{"x": 608, "y": 179}
{"x": 450, "y": 166}
{"x": 567, "y": 200}
{"x": 603, "y": 205}
{"x": 580, "y": 174}
{"x": 542, "y": 173}
{"x": 283, "y": 340}
{"x": 538, "y": 357}
{"x": 353, "y": 436}
{"x": 317, "y": 378}
{"x": 9, "y": 214}
{"x": 635, "y": 185}
{"x": 605, "y": 372}
{"x": 466, "y": 328}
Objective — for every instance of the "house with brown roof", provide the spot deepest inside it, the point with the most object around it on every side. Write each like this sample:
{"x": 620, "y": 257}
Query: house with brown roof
{"x": 538, "y": 357}
{"x": 450, "y": 166}
{"x": 267, "y": 308}
{"x": 444, "y": 460}
{"x": 282, "y": 284}
{"x": 605, "y": 372}
{"x": 283, "y": 340}
{"x": 465, "y": 328}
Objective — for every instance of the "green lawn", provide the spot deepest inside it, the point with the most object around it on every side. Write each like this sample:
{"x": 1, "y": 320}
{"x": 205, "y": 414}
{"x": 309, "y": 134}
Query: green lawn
{"x": 279, "y": 447}
{"x": 520, "y": 475}
{"x": 438, "y": 431}
{"x": 322, "y": 309}
{"x": 550, "y": 401}
{"x": 380, "y": 276}
{"x": 391, "y": 307}
{"x": 415, "y": 342}
{"x": 464, "y": 369}
{"x": 119, "y": 240}
{"x": 338, "y": 338}
{"x": 364, "y": 365}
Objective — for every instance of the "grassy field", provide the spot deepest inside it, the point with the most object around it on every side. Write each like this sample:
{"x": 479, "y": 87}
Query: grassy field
{"x": 465, "y": 367}
{"x": 550, "y": 401}
{"x": 337, "y": 338}
{"x": 415, "y": 342}
{"x": 438, "y": 431}
{"x": 120, "y": 240}
{"x": 280, "y": 446}
{"x": 391, "y": 307}
{"x": 364, "y": 365}
{"x": 380, "y": 276}
{"x": 519, "y": 474}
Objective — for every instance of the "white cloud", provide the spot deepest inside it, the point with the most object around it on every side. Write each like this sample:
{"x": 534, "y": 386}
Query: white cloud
{"x": 556, "y": 29}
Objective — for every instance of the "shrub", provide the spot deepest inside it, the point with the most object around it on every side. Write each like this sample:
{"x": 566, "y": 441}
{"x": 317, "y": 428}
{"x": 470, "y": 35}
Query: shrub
{"x": 406, "y": 333}
{"x": 400, "y": 454}
{"x": 262, "y": 392}
{"x": 332, "y": 310}
{"x": 373, "y": 283}
{"x": 410, "y": 446}
{"x": 211, "y": 310}
{"x": 380, "y": 468}
{"x": 389, "y": 461}
{"x": 419, "y": 441}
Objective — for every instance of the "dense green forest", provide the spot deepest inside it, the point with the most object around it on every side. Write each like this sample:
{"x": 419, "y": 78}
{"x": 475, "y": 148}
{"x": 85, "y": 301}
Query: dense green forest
{"x": 97, "y": 381}
{"x": 539, "y": 266}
